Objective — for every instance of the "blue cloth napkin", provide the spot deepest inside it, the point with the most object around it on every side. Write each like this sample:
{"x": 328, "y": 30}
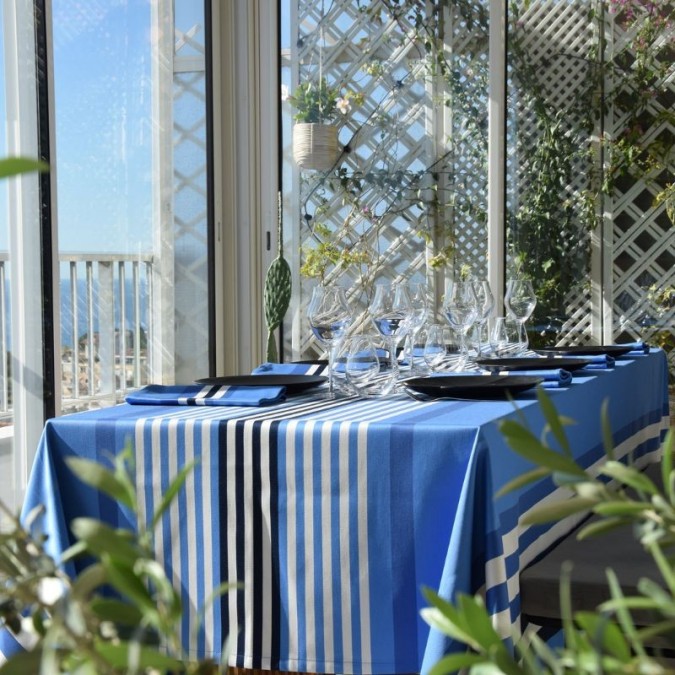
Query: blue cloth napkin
{"x": 597, "y": 361}
{"x": 199, "y": 394}
{"x": 555, "y": 377}
{"x": 290, "y": 369}
{"x": 637, "y": 347}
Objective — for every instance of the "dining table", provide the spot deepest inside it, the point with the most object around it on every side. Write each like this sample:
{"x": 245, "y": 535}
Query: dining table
{"x": 333, "y": 515}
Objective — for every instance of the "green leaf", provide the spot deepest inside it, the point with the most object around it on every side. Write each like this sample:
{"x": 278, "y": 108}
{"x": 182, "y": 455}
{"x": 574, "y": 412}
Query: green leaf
{"x": 100, "y": 539}
{"x": 527, "y": 445}
{"x": 117, "y": 611}
{"x": 522, "y": 480}
{"x": 118, "y": 656}
{"x": 23, "y": 663}
{"x": 600, "y": 628}
{"x": 172, "y": 491}
{"x": 557, "y": 511}
{"x": 89, "y": 580}
{"x": 667, "y": 465}
{"x": 127, "y": 582}
{"x": 598, "y": 527}
{"x": 454, "y": 662}
{"x": 13, "y": 166}
{"x": 478, "y": 621}
{"x": 630, "y": 476}
{"x": 92, "y": 473}
{"x": 553, "y": 419}
{"x": 617, "y": 508}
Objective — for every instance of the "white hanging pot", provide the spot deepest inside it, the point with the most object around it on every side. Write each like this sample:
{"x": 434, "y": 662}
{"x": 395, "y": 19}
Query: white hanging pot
{"x": 315, "y": 146}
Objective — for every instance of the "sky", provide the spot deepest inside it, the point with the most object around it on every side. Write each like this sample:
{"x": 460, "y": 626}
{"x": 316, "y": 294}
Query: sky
{"x": 103, "y": 122}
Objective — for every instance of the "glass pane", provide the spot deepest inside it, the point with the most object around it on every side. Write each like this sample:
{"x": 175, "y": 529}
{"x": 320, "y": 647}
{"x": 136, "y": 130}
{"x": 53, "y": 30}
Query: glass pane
{"x": 131, "y": 166}
{"x": 398, "y": 189}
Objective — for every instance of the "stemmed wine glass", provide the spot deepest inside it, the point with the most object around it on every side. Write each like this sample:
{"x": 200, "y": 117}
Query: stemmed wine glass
{"x": 460, "y": 307}
{"x": 486, "y": 303}
{"x": 329, "y": 317}
{"x": 390, "y": 311}
{"x": 420, "y": 311}
{"x": 520, "y": 302}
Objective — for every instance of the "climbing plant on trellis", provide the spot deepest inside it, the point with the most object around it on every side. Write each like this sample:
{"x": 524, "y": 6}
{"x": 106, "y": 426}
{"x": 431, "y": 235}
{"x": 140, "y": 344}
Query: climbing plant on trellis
{"x": 590, "y": 82}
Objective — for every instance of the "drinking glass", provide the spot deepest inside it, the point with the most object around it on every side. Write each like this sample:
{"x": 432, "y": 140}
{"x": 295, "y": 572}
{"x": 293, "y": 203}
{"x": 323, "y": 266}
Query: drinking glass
{"x": 364, "y": 370}
{"x": 420, "y": 310}
{"x": 505, "y": 337}
{"x": 460, "y": 307}
{"x": 486, "y": 303}
{"x": 440, "y": 347}
{"x": 520, "y": 302}
{"x": 329, "y": 317}
{"x": 390, "y": 311}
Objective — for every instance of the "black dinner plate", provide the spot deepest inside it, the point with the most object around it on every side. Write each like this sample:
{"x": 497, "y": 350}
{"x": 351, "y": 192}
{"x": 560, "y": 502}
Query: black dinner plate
{"x": 293, "y": 383}
{"x": 472, "y": 386}
{"x": 586, "y": 350}
{"x": 532, "y": 363}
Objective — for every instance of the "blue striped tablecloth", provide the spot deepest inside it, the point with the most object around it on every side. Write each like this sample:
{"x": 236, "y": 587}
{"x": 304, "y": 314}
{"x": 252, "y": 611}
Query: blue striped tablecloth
{"x": 333, "y": 514}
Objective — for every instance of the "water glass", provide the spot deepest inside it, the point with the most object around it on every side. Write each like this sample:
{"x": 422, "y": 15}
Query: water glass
{"x": 505, "y": 338}
{"x": 520, "y": 301}
{"x": 365, "y": 368}
{"x": 441, "y": 348}
{"x": 329, "y": 316}
{"x": 486, "y": 303}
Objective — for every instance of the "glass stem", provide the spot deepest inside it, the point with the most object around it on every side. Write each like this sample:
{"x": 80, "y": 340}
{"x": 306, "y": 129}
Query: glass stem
{"x": 394, "y": 361}
{"x": 331, "y": 358}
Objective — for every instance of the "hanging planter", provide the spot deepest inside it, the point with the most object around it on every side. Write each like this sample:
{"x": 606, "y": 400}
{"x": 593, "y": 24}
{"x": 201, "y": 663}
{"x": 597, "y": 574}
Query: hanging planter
{"x": 315, "y": 146}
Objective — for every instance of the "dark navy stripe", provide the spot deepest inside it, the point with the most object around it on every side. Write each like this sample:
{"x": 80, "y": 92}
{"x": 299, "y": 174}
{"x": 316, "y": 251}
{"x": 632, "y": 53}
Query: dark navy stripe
{"x": 275, "y": 610}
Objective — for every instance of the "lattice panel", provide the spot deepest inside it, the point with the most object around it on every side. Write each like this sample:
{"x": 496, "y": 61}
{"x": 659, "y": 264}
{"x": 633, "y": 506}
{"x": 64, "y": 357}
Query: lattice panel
{"x": 643, "y": 236}
{"x": 550, "y": 79}
{"x": 190, "y": 200}
{"x": 413, "y": 128}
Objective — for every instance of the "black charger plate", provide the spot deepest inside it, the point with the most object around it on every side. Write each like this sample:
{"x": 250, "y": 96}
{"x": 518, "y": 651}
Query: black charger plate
{"x": 293, "y": 383}
{"x": 532, "y": 363}
{"x": 586, "y": 350}
{"x": 478, "y": 387}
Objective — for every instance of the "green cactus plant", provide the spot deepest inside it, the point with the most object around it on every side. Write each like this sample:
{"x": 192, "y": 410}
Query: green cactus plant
{"x": 277, "y": 292}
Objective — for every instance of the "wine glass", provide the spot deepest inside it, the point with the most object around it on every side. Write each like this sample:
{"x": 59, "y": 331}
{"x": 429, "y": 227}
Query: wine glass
{"x": 420, "y": 311}
{"x": 486, "y": 303}
{"x": 359, "y": 357}
{"x": 520, "y": 302}
{"x": 329, "y": 317}
{"x": 390, "y": 311}
{"x": 460, "y": 307}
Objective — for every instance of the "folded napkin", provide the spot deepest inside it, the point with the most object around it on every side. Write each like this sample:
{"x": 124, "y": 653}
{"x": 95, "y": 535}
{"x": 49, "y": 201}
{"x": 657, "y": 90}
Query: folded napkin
{"x": 555, "y": 377}
{"x": 290, "y": 369}
{"x": 597, "y": 362}
{"x": 199, "y": 394}
{"x": 636, "y": 347}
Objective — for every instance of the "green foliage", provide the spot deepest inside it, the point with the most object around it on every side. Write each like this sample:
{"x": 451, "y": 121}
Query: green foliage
{"x": 607, "y": 640}
{"x": 76, "y": 625}
{"x": 14, "y": 166}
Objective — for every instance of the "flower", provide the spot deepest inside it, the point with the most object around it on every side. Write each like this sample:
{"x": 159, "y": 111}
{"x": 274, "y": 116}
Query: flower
{"x": 318, "y": 102}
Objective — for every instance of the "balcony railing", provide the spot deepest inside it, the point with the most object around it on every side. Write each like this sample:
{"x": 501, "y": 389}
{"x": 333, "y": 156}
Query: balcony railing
{"x": 105, "y": 311}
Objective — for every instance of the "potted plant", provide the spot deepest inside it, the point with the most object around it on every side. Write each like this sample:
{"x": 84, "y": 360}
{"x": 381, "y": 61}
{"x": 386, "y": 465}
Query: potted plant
{"x": 315, "y": 137}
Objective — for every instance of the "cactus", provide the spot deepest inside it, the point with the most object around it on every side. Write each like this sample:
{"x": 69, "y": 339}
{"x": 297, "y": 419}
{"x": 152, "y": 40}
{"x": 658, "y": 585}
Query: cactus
{"x": 277, "y": 292}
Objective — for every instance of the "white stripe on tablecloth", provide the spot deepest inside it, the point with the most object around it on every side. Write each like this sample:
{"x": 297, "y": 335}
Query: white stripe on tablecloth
{"x": 248, "y": 578}
{"x": 308, "y": 492}
{"x": 194, "y": 600}
{"x": 232, "y": 571}
{"x": 503, "y": 621}
{"x": 326, "y": 542}
{"x": 364, "y": 571}
{"x": 174, "y": 516}
{"x": 156, "y": 485}
{"x": 211, "y": 532}
{"x": 291, "y": 540}
{"x": 265, "y": 499}
{"x": 345, "y": 540}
